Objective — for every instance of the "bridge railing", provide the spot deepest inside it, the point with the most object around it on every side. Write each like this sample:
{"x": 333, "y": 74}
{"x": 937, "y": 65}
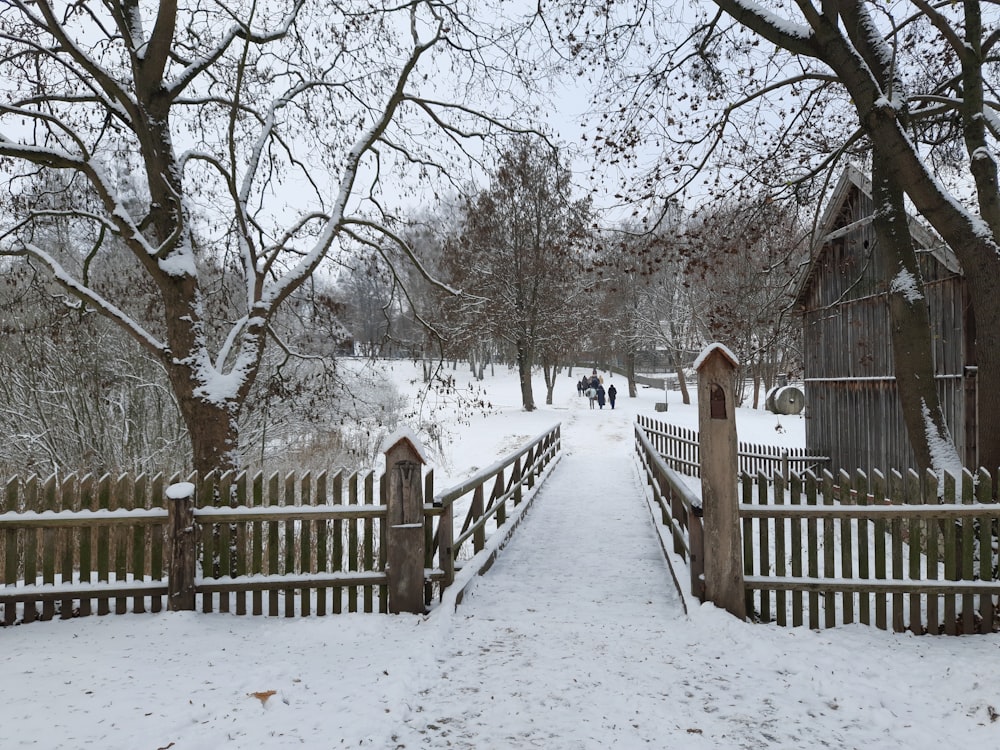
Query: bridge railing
{"x": 680, "y": 511}
{"x": 489, "y": 504}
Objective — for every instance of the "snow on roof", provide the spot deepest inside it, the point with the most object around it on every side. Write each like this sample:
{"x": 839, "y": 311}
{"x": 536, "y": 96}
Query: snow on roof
{"x": 716, "y": 347}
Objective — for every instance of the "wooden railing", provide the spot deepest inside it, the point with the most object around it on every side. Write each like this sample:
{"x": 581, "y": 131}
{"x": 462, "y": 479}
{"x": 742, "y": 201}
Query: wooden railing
{"x": 486, "y": 502}
{"x": 680, "y": 512}
{"x": 679, "y": 448}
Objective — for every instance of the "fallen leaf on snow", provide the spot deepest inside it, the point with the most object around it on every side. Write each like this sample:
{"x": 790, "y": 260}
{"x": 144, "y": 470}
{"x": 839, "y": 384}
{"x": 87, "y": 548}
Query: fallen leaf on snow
{"x": 263, "y": 695}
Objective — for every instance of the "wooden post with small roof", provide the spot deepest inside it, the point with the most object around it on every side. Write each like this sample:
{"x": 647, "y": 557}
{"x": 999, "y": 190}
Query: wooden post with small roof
{"x": 405, "y": 522}
{"x": 716, "y": 367}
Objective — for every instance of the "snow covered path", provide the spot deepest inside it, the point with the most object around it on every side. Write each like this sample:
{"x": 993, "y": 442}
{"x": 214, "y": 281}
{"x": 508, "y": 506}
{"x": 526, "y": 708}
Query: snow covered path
{"x": 550, "y": 634}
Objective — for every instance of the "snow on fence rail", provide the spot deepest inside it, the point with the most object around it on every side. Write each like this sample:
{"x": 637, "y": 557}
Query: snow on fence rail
{"x": 679, "y": 448}
{"x": 285, "y": 544}
{"x": 896, "y": 554}
{"x": 902, "y": 552}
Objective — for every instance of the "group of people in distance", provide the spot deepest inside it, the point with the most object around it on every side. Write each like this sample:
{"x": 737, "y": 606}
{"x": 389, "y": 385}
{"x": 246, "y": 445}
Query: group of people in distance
{"x": 593, "y": 388}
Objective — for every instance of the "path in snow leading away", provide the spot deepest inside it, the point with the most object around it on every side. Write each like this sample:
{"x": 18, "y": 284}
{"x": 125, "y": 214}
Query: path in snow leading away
{"x": 548, "y": 637}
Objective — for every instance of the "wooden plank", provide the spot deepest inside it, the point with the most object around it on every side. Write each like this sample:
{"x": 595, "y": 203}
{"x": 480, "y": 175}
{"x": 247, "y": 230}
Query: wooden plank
{"x": 352, "y": 543}
{"x": 289, "y": 542}
{"x": 157, "y": 534}
{"x": 209, "y": 534}
{"x": 224, "y": 536}
{"x": 103, "y": 543}
{"x": 829, "y": 551}
{"x": 49, "y": 540}
{"x": 746, "y": 490}
{"x": 968, "y": 552}
{"x": 764, "y": 545}
{"x": 88, "y": 501}
{"x": 241, "y": 551}
{"x": 951, "y": 568}
{"x": 273, "y": 543}
{"x": 932, "y": 556}
{"x": 989, "y": 531}
{"x": 338, "y": 541}
{"x": 369, "y": 548}
{"x": 854, "y": 488}
{"x": 812, "y": 540}
{"x": 305, "y": 546}
{"x": 896, "y": 495}
{"x": 780, "y": 568}
{"x": 257, "y": 543}
{"x": 863, "y": 542}
{"x": 322, "y": 532}
{"x": 795, "y": 498}
{"x": 915, "y": 545}
{"x": 880, "y": 492}
{"x": 138, "y": 563}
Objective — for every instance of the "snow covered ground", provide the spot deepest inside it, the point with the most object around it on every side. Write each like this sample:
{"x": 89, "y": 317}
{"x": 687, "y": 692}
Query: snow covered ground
{"x": 574, "y": 639}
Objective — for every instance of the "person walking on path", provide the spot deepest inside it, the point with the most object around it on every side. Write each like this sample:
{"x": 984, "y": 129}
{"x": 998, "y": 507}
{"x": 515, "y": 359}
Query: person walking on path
{"x": 600, "y": 395}
{"x": 591, "y": 394}
{"x": 612, "y": 393}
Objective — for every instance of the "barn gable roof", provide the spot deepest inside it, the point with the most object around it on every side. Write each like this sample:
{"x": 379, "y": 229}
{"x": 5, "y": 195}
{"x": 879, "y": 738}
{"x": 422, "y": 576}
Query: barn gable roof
{"x": 835, "y": 223}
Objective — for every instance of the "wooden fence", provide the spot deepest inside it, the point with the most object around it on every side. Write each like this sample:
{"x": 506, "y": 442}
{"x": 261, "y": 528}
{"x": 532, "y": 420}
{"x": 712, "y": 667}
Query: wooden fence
{"x": 893, "y": 552}
{"x": 292, "y": 545}
{"x": 901, "y": 553}
{"x": 679, "y": 448}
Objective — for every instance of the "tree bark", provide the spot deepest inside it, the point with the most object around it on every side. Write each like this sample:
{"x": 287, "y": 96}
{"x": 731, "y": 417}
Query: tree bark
{"x": 929, "y": 437}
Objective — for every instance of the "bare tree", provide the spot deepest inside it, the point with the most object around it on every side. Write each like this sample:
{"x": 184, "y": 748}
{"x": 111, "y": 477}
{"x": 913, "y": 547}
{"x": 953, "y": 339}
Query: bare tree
{"x": 259, "y": 134}
{"x": 912, "y": 81}
{"x": 518, "y": 257}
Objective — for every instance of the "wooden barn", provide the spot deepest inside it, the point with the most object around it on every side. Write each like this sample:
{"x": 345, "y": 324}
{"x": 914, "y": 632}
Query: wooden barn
{"x": 852, "y": 407}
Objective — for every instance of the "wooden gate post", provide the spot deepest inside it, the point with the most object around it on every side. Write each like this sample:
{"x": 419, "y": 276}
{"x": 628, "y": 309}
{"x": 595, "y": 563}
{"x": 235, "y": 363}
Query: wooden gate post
{"x": 180, "y": 525}
{"x": 716, "y": 367}
{"x": 405, "y": 512}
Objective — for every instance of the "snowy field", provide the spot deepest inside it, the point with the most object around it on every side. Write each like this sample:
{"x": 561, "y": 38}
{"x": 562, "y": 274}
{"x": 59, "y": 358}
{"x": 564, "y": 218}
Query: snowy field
{"x": 574, "y": 639}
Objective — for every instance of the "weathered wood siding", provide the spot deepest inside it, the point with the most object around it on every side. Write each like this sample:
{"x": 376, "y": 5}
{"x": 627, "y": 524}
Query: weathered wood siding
{"x": 853, "y": 412}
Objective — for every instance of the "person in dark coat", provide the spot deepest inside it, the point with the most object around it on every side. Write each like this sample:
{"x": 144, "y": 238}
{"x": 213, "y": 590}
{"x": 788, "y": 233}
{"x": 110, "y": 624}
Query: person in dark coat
{"x": 612, "y": 393}
{"x": 600, "y": 395}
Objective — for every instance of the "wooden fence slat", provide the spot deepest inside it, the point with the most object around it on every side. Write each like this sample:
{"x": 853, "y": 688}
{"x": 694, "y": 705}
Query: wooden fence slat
{"x": 289, "y": 541}
{"x": 859, "y": 488}
{"x": 881, "y": 490}
{"x": 746, "y": 492}
{"x": 338, "y": 541}
{"x": 240, "y": 562}
{"x": 353, "y": 543}
{"x": 896, "y": 494}
{"x": 273, "y": 543}
{"x": 780, "y": 569}
{"x": 829, "y": 550}
{"x": 950, "y": 558}
{"x": 932, "y": 557}
{"x": 257, "y": 543}
{"x": 989, "y": 530}
{"x": 765, "y": 547}
{"x": 369, "y": 548}
{"x": 305, "y": 546}
{"x": 795, "y": 497}
{"x": 322, "y": 531}
{"x": 813, "y": 551}
{"x": 968, "y": 552}
{"x": 157, "y": 534}
{"x": 915, "y": 543}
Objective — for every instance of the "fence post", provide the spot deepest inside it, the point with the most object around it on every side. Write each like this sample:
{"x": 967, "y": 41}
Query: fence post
{"x": 724, "y": 587}
{"x": 405, "y": 522}
{"x": 180, "y": 525}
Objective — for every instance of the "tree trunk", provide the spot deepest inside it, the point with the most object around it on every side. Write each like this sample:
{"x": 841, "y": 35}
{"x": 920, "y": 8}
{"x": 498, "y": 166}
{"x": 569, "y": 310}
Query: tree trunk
{"x": 928, "y": 433}
{"x": 630, "y": 373}
{"x": 524, "y": 361}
